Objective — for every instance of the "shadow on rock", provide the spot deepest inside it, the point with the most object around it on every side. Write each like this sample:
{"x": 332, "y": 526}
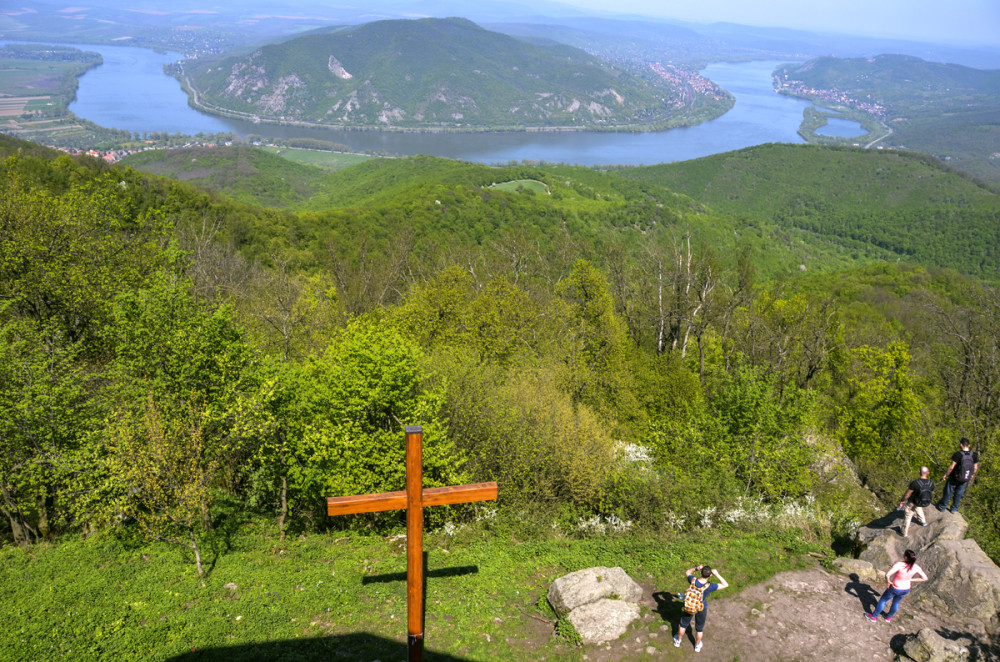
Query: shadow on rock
{"x": 355, "y": 646}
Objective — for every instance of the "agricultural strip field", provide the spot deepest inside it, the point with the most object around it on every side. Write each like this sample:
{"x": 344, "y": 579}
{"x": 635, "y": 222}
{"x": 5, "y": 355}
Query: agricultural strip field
{"x": 35, "y": 78}
{"x": 14, "y": 106}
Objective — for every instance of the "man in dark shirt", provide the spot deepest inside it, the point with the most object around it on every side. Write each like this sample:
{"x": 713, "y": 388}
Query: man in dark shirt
{"x": 961, "y": 471}
{"x": 918, "y": 495}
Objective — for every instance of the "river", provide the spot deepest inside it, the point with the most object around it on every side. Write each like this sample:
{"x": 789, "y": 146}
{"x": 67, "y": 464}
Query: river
{"x": 130, "y": 91}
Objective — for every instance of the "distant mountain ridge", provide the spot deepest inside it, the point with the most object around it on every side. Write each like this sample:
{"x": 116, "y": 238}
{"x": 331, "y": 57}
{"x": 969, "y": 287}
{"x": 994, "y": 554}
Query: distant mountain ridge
{"x": 430, "y": 73}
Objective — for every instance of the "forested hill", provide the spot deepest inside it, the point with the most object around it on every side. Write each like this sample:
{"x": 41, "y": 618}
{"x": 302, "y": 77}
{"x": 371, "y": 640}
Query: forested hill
{"x": 908, "y": 204}
{"x": 945, "y": 110}
{"x": 430, "y": 73}
{"x": 822, "y": 207}
{"x": 901, "y": 83}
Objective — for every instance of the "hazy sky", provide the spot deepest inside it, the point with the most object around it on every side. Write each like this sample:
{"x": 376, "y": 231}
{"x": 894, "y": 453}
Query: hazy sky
{"x": 938, "y": 20}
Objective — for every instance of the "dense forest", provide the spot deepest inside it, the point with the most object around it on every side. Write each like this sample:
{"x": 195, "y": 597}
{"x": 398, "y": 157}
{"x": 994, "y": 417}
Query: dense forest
{"x": 162, "y": 346}
{"x": 183, "y": 369}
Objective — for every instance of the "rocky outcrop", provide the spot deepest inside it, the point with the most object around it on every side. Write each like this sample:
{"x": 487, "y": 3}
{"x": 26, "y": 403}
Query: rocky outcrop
{"x": 600, "y": 602}
{"x": 963, "y": 582}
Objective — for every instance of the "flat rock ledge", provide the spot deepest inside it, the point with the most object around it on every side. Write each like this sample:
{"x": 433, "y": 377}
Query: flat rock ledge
{"x": 600, "y": 602}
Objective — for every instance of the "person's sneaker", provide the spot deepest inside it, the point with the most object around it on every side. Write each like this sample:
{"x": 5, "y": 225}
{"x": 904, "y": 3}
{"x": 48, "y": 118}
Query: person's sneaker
{"x": 922, "y": 523}
{"x": 697, "y": 648}
{"x": 954, "y": 511}
{"x": 872, "y": 618}
{"x": 888, "y": 619}
{"x": 677, "y": 642}
{"x": 939, "y": 507}
{"x": 905, "y": 535}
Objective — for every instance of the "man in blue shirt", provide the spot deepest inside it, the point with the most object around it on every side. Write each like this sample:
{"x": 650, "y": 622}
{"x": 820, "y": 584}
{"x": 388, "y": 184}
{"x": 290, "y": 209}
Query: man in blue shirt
{"x": 700, "y": 584}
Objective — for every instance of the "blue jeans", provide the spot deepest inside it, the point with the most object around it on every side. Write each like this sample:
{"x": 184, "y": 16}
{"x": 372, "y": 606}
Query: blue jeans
{"x": 949, "y": 488}
{"x": 896, "y": 595}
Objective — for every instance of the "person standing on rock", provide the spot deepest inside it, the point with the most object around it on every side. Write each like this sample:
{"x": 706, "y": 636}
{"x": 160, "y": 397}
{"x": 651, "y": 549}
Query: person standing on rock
{"x": 919, "y": 495}
{"x": 899, "y": 577}
{"x": 695, "y": 604}
{"x": 963, "y": 468}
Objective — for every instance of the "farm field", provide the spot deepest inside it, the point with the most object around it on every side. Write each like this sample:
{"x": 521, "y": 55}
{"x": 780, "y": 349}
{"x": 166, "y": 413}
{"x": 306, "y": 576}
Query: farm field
{"x": 19, "y": 77}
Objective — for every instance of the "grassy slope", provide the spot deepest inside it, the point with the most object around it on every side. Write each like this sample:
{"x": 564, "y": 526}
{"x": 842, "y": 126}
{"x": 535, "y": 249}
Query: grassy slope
{"x": 319, "y": 158}
{"x": 909, "y": 205}
{"x": 335, "y": 594}
{"x": 242, "y": 173}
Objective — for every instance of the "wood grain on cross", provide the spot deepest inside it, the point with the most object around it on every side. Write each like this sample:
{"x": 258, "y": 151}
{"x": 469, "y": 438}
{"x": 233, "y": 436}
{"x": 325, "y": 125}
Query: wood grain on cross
{"x": 413, "y": 499}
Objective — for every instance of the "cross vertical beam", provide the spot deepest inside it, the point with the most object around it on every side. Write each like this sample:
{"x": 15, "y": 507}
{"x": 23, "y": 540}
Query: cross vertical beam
{"x": 414, "y": 543}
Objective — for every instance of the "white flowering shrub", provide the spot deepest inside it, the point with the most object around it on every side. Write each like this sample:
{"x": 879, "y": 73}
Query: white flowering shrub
{"x": 486, "y": 514}
{"x": 672, "y": 520}
{"x": 602, "y": 525}
{"x": 705, "y": 517}
{"x": 633, "y": 454}
{"x": 618, "y": 525}
{"x": 591, "y": 525}
{"x": 746, "y": 510}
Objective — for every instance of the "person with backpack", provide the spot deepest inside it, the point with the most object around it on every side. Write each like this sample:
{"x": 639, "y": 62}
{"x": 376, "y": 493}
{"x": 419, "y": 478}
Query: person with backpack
{"x": 961, "y": 471}
{"x": 919, "y": 495}
{"x": 695, "y": 604}
{"x": 900, "y": 577}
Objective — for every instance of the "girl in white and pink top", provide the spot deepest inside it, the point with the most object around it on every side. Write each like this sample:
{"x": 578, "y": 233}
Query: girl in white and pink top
{"x": 899, "y": 577}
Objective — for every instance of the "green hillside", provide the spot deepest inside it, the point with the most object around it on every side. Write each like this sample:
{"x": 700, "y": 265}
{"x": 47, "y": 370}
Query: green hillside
{"x": 909, "y": 205}
{"x": 947, "y": 110}
{"x": 433, "y": 73}
{"x": 186, "y": 379}
{"x": 821, "y": 207}
{"x": 243, "y": 173}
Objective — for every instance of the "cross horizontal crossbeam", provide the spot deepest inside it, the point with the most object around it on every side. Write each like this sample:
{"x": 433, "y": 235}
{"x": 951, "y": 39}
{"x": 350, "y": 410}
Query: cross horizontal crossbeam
{"x": 430, "y": 496}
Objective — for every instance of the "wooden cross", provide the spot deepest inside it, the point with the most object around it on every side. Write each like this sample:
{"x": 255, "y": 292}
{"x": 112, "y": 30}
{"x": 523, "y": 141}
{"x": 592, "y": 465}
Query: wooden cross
{"x": 414, "y": 498}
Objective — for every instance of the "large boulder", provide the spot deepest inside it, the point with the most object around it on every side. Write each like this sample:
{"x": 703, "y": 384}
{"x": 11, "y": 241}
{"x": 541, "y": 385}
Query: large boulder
{"x": 928, "y": 646}
{"x": 603, "y": 620}
{"x": 964, "y": 582}
{"x": 585, "y": 586}
{"x": 600, "y": 602}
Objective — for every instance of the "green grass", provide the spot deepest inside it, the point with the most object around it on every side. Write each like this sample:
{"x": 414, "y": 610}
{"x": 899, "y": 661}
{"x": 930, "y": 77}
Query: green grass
{"x": 336, "y": 593}
{"x": 532, "y": 185}
{"x": 319, "y": 158}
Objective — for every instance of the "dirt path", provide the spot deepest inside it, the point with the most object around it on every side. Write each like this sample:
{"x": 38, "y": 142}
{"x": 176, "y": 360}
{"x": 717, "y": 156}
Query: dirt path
{"x": 794, "y": 616}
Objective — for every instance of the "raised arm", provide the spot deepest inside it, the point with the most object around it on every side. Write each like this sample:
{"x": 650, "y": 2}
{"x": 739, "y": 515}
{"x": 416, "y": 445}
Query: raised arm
{"x": 722, "y": 582}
